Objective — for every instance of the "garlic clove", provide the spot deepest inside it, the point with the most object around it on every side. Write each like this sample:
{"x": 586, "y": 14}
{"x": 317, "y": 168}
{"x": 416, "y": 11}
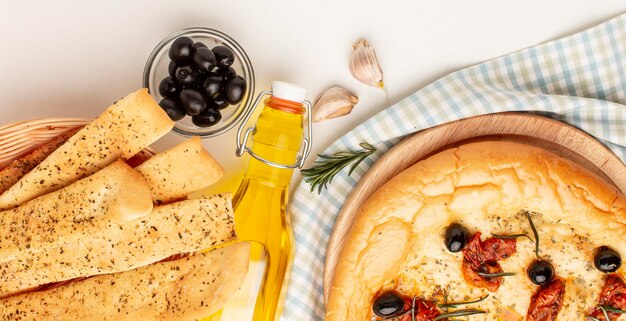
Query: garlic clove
{"x": 364, "y": 65}
{"x": 333, "y": 102}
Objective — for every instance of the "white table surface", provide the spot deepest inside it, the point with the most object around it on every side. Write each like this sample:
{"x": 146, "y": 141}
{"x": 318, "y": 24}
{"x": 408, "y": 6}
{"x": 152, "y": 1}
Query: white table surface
{"x": 74, "y": 58}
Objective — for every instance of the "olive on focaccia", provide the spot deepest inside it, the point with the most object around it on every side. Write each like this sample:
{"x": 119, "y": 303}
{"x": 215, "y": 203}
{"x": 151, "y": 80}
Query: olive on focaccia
{"x": 502, "y": 197}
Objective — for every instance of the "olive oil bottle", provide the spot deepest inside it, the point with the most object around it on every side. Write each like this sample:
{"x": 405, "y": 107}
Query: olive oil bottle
{"x": 260, "y": 202}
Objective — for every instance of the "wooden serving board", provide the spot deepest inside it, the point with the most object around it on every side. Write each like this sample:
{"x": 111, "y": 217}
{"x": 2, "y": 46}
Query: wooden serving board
{"x": 552, "y": 135}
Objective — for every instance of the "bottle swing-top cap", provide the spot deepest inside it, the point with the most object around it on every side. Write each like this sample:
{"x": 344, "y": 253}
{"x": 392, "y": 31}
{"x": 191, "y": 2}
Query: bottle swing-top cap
{"x": 286, "y": 91}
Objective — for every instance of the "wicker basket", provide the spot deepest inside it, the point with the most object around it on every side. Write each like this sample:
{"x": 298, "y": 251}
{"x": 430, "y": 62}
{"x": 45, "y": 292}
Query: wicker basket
{"x": 19, "y": 139}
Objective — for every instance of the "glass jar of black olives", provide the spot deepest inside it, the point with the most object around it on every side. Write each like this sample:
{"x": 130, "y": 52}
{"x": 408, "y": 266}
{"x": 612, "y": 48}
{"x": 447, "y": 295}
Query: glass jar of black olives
{"x": 203, "y": 79}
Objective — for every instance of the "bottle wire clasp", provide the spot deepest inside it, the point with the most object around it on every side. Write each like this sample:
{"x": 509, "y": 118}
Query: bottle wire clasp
{"x": 242, "y": 137}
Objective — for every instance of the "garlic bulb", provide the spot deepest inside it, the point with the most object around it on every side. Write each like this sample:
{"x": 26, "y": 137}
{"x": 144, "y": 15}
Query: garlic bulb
{"x": 333, "y": 102}
{"x": 364, "y": 65}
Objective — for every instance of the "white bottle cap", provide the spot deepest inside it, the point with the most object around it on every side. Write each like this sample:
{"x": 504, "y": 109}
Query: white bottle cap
{"x": 287, "y": 91}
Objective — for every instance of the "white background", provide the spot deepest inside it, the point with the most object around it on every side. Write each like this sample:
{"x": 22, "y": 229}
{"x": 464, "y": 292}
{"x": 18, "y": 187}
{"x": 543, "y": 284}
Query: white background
{"x": 74, "y": 58}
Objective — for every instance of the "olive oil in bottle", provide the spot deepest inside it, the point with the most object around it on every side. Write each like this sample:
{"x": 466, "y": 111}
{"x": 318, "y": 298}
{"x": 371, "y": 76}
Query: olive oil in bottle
{"x": 260, "y": 202}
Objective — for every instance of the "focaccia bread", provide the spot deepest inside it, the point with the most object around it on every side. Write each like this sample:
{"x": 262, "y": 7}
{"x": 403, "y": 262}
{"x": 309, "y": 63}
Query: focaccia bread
{"x": 397, "y": 243}
{"x": 189, "y": 288}
{"x": 181, "y": 170}
{"x": 121, "y": 131}
{"x": 182, "y": 227}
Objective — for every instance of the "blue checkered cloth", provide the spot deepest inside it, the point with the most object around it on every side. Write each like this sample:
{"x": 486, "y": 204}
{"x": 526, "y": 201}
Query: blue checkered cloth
{"x": 580, "y": 80}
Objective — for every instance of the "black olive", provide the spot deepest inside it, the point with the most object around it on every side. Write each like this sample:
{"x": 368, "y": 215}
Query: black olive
{"x": 388, "y": 304}
{"x": 192, "y": 101}
{"x": 207, "y": 117}
{"x": 456, "y": 237}
{"x": 235, "y": 90}
{"x": 204, "y": 59}
{"x": 227, "y": 73}
{"x": 171, "y": 68}
{"x": 172, "y": 108}
{"x": 199, "y": 45}
{"x": 220, "y": 102}
{"x": 212, "y": 85}
{"x": 541, "y": 272}
{"x": 186, "y": 75}
{"x": 224, "y": 56}
{"x": 181, "y": 50}
{"x": 607, "y": 260}
{"x": 168, "y": 87}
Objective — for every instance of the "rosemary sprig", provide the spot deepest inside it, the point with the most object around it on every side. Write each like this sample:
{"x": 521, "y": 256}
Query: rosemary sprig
{"x": 495, "y": 275}
{"x": 532, "y": 226}
{"x": 459, "y": 313}
{"x": 605, "y": 312}
{"x": 444, "y": 305}
{"x": 612, "y": 309}
{"x": 455, "y": 305}
{"x": 513, "y": 236}
{"x": 446, "y": 315}
{"x": 323, "y": 173}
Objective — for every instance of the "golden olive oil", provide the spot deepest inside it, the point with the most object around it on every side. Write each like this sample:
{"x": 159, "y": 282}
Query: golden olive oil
{"x": 261, "y": 217}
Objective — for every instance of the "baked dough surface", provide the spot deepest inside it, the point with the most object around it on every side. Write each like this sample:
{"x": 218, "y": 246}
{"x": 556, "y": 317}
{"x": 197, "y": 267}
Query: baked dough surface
{"x": 189, "y": 288}
{"x": 121, "y": 131}
{"x": 396, "y": 242}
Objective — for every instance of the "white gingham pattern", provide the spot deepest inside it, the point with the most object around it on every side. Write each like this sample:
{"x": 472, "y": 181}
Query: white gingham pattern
{"x": 580, "y": 80}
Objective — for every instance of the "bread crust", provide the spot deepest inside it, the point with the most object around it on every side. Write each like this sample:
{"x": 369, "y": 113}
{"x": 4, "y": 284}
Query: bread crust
{"x": 121, "y": 131}
{"x": 113, "y": 246}
{"x": 181, "y": 170}
{"x": 20, "y": 167}
{"x": 116, "y": 194}
{"x": 474, "y": 182}
{"x": 189, "y": 288}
